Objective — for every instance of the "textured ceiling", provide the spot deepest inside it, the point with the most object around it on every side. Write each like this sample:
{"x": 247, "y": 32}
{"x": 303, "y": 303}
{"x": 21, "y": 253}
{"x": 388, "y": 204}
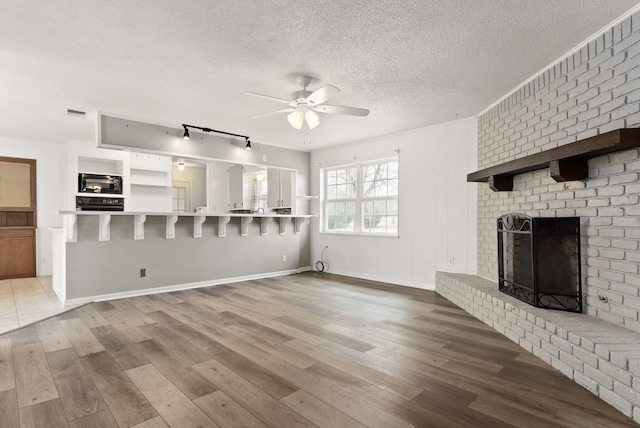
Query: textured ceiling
{"x": 413, "y": 63}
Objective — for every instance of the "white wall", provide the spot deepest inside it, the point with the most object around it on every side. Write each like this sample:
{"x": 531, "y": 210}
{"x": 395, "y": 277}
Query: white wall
{"x": 50, "y": 180}
{"x": 437, "y": 207}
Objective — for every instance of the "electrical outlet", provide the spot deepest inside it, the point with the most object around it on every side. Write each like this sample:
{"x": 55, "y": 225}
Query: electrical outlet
{"x": 284, "y": 258}
{"x": 450, "y": 261}
{"x": 143, "y": 273}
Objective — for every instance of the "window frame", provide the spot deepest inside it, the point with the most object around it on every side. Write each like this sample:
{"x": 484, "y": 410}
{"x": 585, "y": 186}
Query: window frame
{"x": 359, "y": 199}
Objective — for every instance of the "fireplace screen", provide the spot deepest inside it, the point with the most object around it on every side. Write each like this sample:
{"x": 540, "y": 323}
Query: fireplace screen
{"x": 539, "y": 260}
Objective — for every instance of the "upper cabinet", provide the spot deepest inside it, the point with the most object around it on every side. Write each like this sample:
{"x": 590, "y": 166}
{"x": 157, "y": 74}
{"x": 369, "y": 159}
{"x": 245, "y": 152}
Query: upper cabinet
{"x": 150, "y": 170}
{"x": 281, "y": 184}
{"x": 150, "y": 183}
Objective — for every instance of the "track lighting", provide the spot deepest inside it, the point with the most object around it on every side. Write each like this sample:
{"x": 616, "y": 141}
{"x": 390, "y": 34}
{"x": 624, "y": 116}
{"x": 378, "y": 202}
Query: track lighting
{"x": 186, "y": 127}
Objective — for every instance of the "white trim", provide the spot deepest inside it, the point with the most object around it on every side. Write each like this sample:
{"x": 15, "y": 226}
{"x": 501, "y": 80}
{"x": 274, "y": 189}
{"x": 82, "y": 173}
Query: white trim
{"x": 566, "y": 55}
{"x": 179, "y": 287}
{"x": 392, "y": 281}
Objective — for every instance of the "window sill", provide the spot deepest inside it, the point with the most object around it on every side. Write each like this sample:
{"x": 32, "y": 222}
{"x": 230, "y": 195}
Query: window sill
{"x": 362, "y": 234}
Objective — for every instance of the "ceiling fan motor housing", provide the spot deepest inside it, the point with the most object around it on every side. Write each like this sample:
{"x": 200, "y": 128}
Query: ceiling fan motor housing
{"x": 301, "y": 95}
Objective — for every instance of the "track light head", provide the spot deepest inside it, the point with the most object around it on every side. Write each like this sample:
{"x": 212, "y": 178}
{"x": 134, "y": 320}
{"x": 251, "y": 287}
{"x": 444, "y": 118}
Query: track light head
{"x": 185, "y": 135}
{"x": 248, "y": 146}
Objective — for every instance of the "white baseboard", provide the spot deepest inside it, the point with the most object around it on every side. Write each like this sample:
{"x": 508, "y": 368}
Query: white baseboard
{"x": 179, "y": 287}
{"x": 394, "y": 281}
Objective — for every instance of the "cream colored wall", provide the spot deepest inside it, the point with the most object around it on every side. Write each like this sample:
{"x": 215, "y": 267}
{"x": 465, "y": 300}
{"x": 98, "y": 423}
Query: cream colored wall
{"x": 437, "y": 207}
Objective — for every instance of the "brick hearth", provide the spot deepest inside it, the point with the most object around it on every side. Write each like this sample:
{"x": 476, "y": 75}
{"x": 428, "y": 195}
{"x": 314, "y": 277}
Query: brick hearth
{"x": 600, "y": 356}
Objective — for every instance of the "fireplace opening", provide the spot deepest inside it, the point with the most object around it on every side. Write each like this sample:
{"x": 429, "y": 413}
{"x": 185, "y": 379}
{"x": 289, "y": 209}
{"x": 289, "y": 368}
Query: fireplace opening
{"x": 539, "y": 260}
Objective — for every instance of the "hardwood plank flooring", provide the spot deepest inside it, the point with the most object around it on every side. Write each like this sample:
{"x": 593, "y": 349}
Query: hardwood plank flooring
{"x": 294, "y": 351}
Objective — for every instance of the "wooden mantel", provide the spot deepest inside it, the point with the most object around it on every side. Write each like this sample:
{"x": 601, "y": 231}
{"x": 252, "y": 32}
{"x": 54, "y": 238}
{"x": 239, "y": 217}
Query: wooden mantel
{"x": 566, "y": 163}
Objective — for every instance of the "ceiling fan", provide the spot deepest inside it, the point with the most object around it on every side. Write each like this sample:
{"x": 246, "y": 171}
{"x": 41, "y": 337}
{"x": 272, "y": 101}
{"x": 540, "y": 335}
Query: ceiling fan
{"x": 304, "y": 104}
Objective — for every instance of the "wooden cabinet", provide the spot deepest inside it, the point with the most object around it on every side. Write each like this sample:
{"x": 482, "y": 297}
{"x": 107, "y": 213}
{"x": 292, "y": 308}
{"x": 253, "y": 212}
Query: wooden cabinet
{"x": 281, "y": 185}
{"x": 17, "y": 252}
{"x": 17, "y": 218}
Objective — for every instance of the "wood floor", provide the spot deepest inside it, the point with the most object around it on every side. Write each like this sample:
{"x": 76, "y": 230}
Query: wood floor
{"x": 294, "y": 351}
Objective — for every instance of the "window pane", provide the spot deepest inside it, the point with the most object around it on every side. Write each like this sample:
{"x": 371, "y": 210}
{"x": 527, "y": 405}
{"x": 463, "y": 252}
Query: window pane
{"x": 351, "y": 190}
{"x": 380, "y": 208}
{"x": 392, "y": 187}
{"x": 392, "y": 171}
{"x": 392, "y": 207}
{"x": 381, "y": 188}
{"x": 340, "y": 216}
{"x": 331, "y": 178}
{"x": 352, "y": 175}
{"x": 331, "y": 192}
{"x": 368, "y": 173}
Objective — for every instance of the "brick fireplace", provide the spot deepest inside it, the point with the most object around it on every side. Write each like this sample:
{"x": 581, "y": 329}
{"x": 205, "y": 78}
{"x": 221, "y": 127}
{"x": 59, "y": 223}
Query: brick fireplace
{"x": 594, "y": 90}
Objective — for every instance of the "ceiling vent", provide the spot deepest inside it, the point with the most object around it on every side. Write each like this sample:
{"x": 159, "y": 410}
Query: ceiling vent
{"x": 76, "y": 113}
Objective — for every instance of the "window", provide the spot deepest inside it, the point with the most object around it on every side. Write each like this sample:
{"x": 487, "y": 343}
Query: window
{"x": 179, "y": 199}
{"x": 362, "y": 198}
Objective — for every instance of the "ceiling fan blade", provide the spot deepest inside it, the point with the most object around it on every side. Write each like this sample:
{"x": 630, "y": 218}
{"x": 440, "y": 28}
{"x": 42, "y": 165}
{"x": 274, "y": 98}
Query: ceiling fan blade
{"x": 268, "y": 97}
{"x": 322, "y": 94}
{"x": 352, "y": 111}
{"x": 286, "y": 110}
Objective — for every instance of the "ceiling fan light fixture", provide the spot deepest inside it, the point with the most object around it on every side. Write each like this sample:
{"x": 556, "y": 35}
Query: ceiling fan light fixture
{"x": 296, "y": 119}
{"x": 312, "y": 119}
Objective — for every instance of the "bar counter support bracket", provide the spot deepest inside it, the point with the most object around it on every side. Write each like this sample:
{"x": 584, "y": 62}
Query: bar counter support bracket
{"x": 104, "y": 228}
{"x": 297, "y": 224}
{"x": 71, "y": 227}
{"x": 244, "y": 225}
{"x": 197, "y": 225}
{"x": 138, "y": 226}
{"x": 171, "y": 226}
{"x": 264, "y": 222}
{"x": 222, "y": 225}
{"x": 283, "y": 224}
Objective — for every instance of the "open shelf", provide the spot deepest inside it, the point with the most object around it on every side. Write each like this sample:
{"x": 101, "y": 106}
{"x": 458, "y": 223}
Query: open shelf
{"x": 566, "y": 163}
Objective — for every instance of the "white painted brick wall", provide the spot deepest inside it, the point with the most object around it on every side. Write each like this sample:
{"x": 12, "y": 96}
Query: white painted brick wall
{"x": 593, "y": 91}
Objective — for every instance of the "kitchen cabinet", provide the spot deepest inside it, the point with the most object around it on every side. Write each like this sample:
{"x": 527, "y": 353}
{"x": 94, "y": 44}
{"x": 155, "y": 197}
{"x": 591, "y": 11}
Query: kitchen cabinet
{"x": 17, "y": 252}
{"x": 150, "y": 182}
{"x": 17, "y": 218}
{"x": 281, "y": 188}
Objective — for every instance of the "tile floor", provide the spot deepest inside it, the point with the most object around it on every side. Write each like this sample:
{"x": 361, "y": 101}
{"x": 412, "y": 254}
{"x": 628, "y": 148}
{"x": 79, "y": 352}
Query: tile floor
{"x": 26, "y": 300}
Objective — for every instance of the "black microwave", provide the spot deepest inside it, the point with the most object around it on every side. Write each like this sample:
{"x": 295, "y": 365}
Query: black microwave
{"x": 98, "y": 183}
